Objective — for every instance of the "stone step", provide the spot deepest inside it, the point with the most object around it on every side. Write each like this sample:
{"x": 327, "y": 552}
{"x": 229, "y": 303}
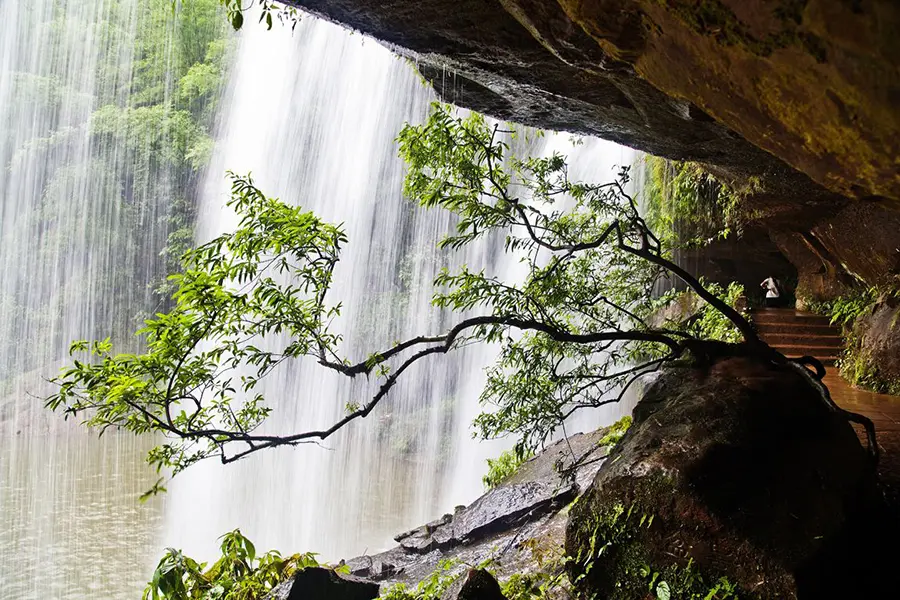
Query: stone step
{"x": 788, "y": 316}
{"x": 797, "y": 334}
{"x": 803, "y": 338}
{"x": 797, "y": 328}
{"x": 803, "y": 350}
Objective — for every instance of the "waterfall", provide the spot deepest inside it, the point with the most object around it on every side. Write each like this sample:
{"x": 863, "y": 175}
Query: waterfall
{"x": 58, "y": 219}
{"x": 103, "y": 148}
{"x": 87, "y": 185}
{"x": 313, "y": 116}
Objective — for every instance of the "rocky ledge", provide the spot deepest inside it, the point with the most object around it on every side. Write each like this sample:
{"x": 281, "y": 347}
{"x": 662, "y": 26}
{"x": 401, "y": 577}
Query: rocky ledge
{"x": 796, "y": 97}
{"x": 511, "y": 526}
{"x": 733, "y": 83}
{"x": 530, "y": 505}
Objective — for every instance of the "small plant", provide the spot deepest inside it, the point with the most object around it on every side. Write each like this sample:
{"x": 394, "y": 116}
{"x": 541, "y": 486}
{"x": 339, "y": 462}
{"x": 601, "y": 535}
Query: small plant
{"x": 712, "y": 324}
{"x": 703, "y": 322}
{"x": 845, "y": 309}
{"x": 858, "y": 367}
{"x": 504, "y": 466}
{"x": 856, "y": 363}
{"x": 238, "y": 575}
{"x": 688, "y": 207}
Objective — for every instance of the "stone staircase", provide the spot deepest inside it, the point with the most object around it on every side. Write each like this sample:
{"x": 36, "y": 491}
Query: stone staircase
{"x": 795, "y": 333}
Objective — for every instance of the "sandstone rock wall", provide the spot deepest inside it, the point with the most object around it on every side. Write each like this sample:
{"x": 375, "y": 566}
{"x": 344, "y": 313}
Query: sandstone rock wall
{"x": 546, "y": 64}
{"x": 814, "y": 82}
{"x": 800, "y": 95}
{"x": 860, "y": 245}
{"x": 734, "y": 83}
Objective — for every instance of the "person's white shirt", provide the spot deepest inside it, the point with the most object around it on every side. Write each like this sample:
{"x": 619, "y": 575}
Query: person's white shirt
{"x": 771, "y": 288}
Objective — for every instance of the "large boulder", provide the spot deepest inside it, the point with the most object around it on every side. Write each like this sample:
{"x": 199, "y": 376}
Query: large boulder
{"x": 736, "y": 470}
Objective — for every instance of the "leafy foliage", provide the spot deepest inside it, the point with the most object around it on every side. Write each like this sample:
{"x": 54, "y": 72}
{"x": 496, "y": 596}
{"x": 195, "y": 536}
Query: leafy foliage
{"x": 269, "y": 11}
{"x": 240, "y": 574}
{"x": 617, "y": 533}
{"x": 430, "y": 588}
{"x": 844, "y": 309}
{"x": 572, "y": 334}
{"x": 860, "y": 370}
{"x": 856, "y": 363}
{"x": 546, "y": 582}
{"x": 267, "y": 278}
{"x": 503, "y": 467}
{"x": 712, "y": 324}
{"x": 687, "y": 206}
{"x": 615, "y": 432}
{"x": 706, "y": 321}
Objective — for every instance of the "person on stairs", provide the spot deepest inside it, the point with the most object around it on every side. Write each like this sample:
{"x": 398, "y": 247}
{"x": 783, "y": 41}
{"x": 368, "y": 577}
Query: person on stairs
{"x": 773, "y": 292}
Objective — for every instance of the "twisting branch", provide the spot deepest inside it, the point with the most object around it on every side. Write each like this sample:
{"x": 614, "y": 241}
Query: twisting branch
{"x": 446, "y": 343}
{"x": 734, "y": 316}
{"x": 651, "y": 254}
{"x": 570, "y": 337}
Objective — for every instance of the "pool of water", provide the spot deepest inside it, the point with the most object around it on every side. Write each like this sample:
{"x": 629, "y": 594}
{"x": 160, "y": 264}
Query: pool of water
{"x": 72, "y": 524}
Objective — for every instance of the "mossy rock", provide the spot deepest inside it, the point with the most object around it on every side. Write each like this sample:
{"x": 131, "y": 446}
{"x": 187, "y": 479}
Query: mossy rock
{"x": 872, "y": 356}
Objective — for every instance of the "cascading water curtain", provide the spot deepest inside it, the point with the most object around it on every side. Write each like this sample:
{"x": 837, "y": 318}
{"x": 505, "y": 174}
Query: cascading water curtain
{"x": 108, "y": 112}
{"x": 105, "y": 113}
{"x": 313, "y": 116}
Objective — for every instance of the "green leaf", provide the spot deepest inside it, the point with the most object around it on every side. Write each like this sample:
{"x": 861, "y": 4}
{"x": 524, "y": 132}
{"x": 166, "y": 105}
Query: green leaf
{"x": 237, "y": 19}
{"x": 157, "y": 488}
{"x": 662, "y": 591}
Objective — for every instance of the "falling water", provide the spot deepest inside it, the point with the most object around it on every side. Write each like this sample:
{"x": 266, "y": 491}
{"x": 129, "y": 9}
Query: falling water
{"x": 316, "y": 126}
{"x": 83, "y": 217}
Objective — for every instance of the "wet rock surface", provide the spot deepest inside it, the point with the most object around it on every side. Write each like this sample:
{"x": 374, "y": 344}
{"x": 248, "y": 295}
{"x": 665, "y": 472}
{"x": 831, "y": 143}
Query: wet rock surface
{"x": 796, "y": 100}
{"x": 876, "y": 343}
{"x": 637, "y": 73}
{"x": 741, "y": 470}
{"x": 526, "y": 507}
{"x": 318, "y": 583}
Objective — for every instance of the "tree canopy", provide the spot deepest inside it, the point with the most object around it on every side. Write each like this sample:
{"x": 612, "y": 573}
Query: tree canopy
{"x": 574, "y": 333}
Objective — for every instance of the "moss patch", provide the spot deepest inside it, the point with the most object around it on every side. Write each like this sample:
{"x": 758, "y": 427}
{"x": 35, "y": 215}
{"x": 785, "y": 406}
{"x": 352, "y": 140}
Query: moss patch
{"x": 712, "y": 18}
{"x": 861, "y": 370}
{"x": 615, "y": 432}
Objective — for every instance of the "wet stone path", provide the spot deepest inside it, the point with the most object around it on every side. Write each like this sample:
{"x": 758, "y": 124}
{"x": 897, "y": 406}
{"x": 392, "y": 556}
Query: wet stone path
{"x": 884, "y": 411}
{"x": 796, "y": 333}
